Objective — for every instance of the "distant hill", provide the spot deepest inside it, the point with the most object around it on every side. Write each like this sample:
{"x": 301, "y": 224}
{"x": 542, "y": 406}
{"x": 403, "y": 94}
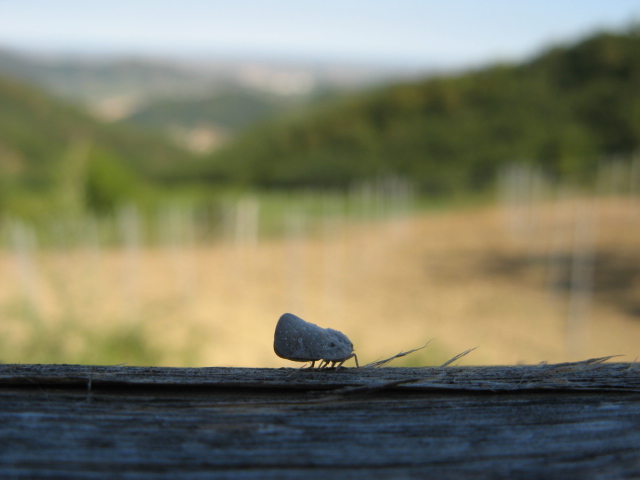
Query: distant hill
{"x": 563, "y": 111}
{"x": 91, "y": 79}
{"x": 198, "y": 104}
{"x": 229, "y": 109}
{"x": 87, "y": 80}
{"x": 50, "y": 148}
{"x": 221, "y": 114}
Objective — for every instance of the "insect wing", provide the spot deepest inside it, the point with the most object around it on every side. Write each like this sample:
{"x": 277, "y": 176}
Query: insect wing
{"x": 296, "y": 339}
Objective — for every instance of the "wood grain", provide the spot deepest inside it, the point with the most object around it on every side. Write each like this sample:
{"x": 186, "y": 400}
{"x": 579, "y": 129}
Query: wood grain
{"x": 69, "y": 421}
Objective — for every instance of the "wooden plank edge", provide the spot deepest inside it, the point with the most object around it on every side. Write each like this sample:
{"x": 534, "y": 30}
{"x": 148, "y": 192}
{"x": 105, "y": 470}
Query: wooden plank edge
{"x": 619, "y": 377}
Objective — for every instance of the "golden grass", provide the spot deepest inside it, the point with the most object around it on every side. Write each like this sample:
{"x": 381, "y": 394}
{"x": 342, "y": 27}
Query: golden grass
{"x": 462, "y": 278}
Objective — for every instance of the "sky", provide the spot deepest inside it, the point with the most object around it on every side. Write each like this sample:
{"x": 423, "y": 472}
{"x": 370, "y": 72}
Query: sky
{"x": 410, "y": 33}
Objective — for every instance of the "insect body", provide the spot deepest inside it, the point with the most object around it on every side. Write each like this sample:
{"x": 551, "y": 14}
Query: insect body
{"x": 302, "y": 341}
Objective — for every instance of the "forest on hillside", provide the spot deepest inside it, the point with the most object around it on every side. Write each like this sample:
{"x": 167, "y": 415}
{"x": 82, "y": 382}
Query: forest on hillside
{"x": 565, "y": 112}
{"x": 56, "y": 157}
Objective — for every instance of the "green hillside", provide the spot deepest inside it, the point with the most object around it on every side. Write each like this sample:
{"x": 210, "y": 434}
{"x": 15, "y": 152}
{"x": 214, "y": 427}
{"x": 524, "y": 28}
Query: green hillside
{"x": 231, "y": 109}
{"x": 51, "y": 151}
{"x": 86, "y": 80}
{"x": 563, "y": 111}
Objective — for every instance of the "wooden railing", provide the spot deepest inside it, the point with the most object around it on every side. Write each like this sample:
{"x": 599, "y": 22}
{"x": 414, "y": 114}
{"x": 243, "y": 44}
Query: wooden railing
{"x": 577, "y": 420}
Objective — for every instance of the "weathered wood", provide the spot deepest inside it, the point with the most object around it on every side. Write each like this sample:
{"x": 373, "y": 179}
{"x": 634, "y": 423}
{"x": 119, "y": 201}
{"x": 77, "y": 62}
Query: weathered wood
{"x": 548, "y": 421}
{"x": 587, "y": 375}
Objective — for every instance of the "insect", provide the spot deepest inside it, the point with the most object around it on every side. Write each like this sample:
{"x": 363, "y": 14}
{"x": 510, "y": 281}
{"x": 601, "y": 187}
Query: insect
{"x": 302, "y": 341}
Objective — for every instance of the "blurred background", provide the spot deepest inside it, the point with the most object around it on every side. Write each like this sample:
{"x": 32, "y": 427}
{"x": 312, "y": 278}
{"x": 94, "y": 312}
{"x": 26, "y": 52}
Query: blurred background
{"x": 176, "y": 175}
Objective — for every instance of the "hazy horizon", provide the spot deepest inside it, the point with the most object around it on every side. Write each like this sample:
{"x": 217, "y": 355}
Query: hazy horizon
{"x": 407, "y": 35}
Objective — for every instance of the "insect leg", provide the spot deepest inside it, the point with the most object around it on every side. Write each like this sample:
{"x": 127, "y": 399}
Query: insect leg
{"x": 353, "y": 355}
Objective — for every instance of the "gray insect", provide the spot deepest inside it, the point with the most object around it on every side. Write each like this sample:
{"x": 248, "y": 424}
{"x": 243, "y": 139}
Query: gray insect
{"x": 302, "y": 341}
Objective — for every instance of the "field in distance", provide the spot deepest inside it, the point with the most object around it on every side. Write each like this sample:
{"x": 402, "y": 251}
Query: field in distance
{"x": 556, "y": 281}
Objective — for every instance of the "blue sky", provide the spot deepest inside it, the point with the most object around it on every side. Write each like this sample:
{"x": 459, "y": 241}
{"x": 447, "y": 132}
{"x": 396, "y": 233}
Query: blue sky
{"x": 401, "y": 32}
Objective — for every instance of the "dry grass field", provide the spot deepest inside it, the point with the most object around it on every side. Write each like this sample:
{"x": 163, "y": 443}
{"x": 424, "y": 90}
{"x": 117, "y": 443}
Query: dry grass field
{"x": 555, "y": 281}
